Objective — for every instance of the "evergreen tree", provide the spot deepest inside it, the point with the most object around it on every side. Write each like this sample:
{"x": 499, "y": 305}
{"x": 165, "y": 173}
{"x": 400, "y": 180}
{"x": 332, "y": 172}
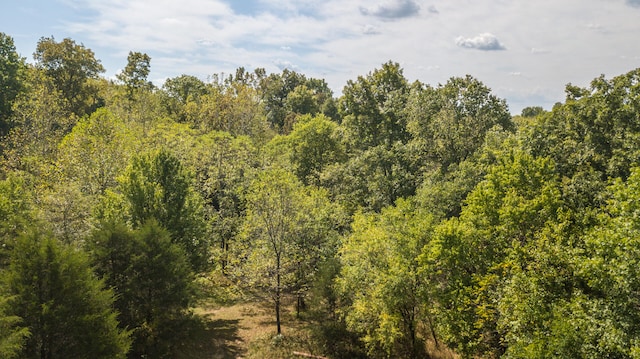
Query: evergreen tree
{"x": 67, "y": 310}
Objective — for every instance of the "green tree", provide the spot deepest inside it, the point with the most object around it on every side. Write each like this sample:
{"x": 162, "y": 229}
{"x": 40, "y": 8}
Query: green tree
{"x": 12, "y": 334}
{"x": 380, "y": 168}
{"x": 448, "y": 123}
{"x": 134, "y": 75}
{"x": 234, "y": 108}
{"x": 16, "y": 214}
{"x": 372, "y": 109}
{"x": 314, "y": 146}
{"x": 12, "y": 67}
{"x": 65, "y": 307}
{"x": 157, "y": 186}
{"x": 532, "y": 111}
{"x": 470, "y": 259}
{"x": 289, "y": 93}
{"x": 381, "y": 276}
{"x": 96, "y": 152}
{"x": 180, "y": 91}
{"x": 586, "y": 307}
{"x": 39, "y": 121}
{"x": 285, "y": 235}
{"x": 70, "y": 66}
{"x": 153, "y": 281}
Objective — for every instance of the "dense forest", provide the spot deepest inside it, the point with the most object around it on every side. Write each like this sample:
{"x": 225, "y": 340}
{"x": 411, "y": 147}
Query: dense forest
{"x": 398, "y": 220}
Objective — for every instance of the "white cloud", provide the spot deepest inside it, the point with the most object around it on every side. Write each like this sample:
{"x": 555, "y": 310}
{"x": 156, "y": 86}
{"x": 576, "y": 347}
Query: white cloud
{"x": 284, "y": 64}
{"x": 485, "y": 41}
{"x": 370, "y": 30}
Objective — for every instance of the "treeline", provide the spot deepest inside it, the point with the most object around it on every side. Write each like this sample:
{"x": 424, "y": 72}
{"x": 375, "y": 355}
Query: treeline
{"x": 401, "y": 214}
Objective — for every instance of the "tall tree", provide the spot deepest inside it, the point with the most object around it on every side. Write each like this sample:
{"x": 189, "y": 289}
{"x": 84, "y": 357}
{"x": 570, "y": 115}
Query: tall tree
{"x": 380, "y": 167}
{"x": 12, "y": 67}
{"x": 286, "y": 233}
{"x": 314, "y": 145}
{"x": 67, "y": 310}
{"x": 448, "y": 123}
{"x": 152, "y": 279}
{"x": 96, "y": 152}
{"x": 469, "y": 258}
{"x": 372, "y": 108}
{"x": 157, "y": 186}
{"x": 381, "y": 277}
{"x": 70, "y": 66}
{"x": 134, "y": 75}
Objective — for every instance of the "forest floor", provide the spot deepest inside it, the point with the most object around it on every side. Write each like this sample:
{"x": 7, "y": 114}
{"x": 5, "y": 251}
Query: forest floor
{"x": 247, "y": 331}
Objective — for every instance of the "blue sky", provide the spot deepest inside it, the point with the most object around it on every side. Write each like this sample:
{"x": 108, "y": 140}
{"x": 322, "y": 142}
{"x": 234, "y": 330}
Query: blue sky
{"x": 525, "y": 51}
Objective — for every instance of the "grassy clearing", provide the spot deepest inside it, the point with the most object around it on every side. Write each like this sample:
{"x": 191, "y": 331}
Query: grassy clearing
{"x": 248, "y": 331}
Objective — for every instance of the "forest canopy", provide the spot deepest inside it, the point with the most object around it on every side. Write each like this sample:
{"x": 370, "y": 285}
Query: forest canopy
{"x": 401, "y": 219}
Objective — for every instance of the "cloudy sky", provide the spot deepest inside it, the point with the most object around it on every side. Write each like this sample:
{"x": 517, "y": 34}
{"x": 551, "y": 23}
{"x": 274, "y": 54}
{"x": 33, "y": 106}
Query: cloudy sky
{"x": 526, "y": 51}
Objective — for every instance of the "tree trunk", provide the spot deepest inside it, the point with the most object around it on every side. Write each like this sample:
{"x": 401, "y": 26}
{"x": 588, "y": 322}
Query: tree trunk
{"x": 278, "y": 293}
{"x": 278, "y": 303}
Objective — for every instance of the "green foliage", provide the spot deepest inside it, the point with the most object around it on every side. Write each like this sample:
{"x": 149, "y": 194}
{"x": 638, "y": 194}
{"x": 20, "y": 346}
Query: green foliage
{"x": 12, "y": 68}
{"x": 233, "y": 108}
{"x": 69, "y": 66}
{"x": 96, "y": 152}
{"x": 597, "y": 128}
{"x": 532, "y": 111}
{"x": 153, "y": 282}
{"x": 286, "y": 234}
{"x": 289, "y": 94}
{"x": 39, "y": 121}
{"x": 16, "y": 214}
{"x": 380, "y": 275}
{"x": 449, "y": 123}
{"x": 373, "y": 109}
{"x": 156, "y": 186}
{"x": 497, "y": 237}
{"x": 180, "y": 91}
{"x": 134, "y": 75}
{"x": 12, "y": 334}
{"x": 470, "y": 257}
{"x": 65, "y": 307}
{"x": 314, "y": 146}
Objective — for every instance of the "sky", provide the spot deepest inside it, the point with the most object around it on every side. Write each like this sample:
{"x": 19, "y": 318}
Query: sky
{"x": 526, "y": 51}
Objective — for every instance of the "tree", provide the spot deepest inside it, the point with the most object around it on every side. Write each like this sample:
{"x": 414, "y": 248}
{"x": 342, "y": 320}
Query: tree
{"x": 134, "y": 75}
{"x": 39, "y": 121}
{"x": 96, "y": 152}
{"x": 285, "y": 235}
{"x": 532, "y": 111}
{"x": 12, "y": 334}
{"x": 289, "y": 93}
{"x": 152, "y": 279}
{"x": 70, "y": 66}
{"x": 381, "y": 277}
{"x": 233, "y": 108}
{"x": 16, "y": 214}
{"x": 314, "y": 146}
{"x": 12, "y": 67}
{"x": 373, "y": 109}
{"x": 180, "y": 91}
{"x": 448, "y": 123}
{"x": 380, "y": 168}
{"x": 66, "y": 309}
{"x": 156, "y": 186}
{"x": 471, "y": 259}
